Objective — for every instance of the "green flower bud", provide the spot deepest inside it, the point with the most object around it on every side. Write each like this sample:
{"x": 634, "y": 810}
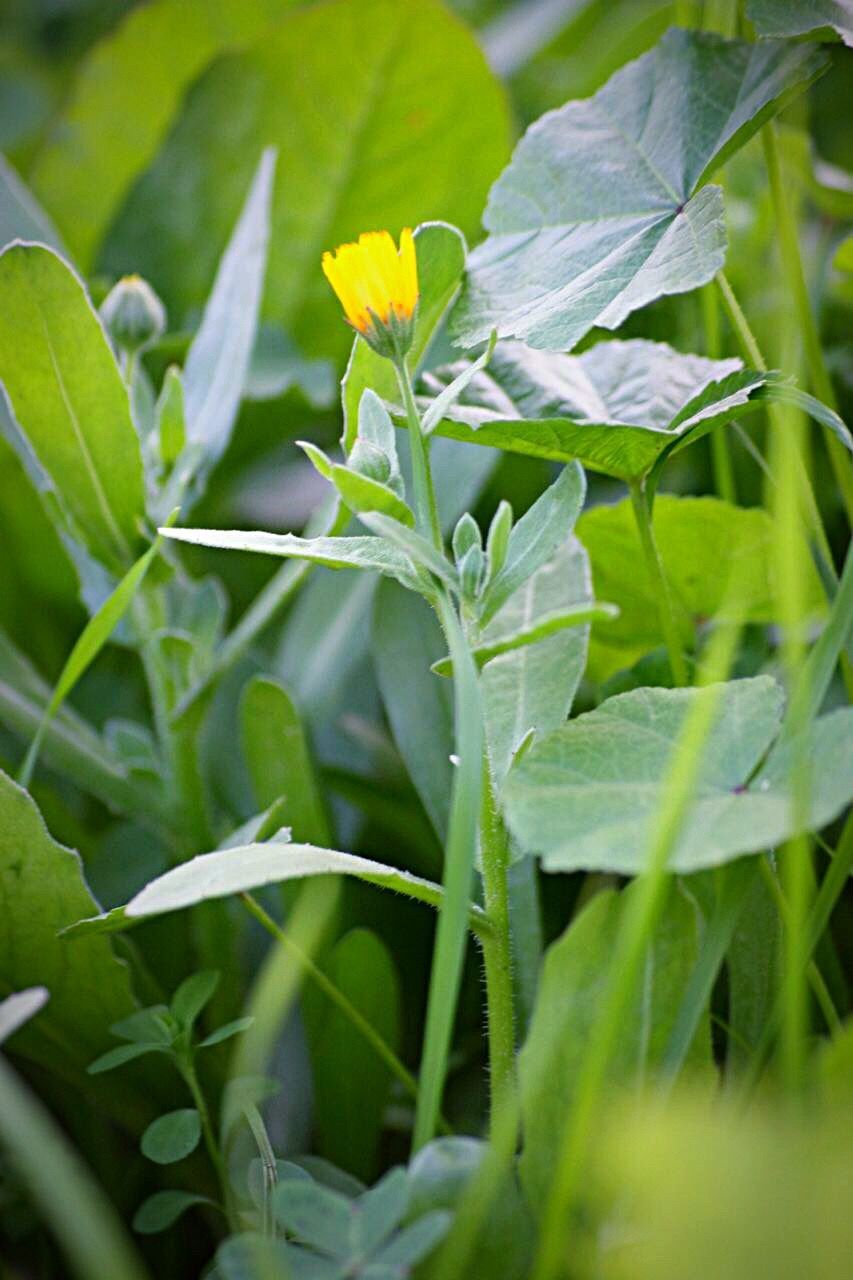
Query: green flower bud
{"x": 465, "y": 535}
{"x": 133, "y": 315}
{"x": 370, "y": 461}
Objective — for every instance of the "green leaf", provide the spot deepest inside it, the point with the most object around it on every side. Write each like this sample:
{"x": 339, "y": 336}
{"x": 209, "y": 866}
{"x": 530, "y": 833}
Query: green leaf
{"x": 405, "y": 640}
{"x": 42, "y": 888}
{"x": 535, "y": 538}
{"x": 171, "y": 417}
{"x": 419, "y": 550}
{"x": 801, "y": 18}
{"x": 192, "y": 996}
{"x": 380, "y": 1210}
{"x": 279, "y": 759}
{"x": 172, "y": 1137}
{"x": 620, "y": 407}
{"x": 364, "y": 494}
{"x": 534, "y": 687}
{"x": 136, "y": 78}
{"x": 444, "y": 401}
{"x": 123, "y": 1053}
{"x": 21, "y": 216}
{"x": 225, "y": 1032}
{"x": 587, "y": 794}
{"x": 69, "y": 399}
{"x": 217, "y": 363}
{"x": 147, "y": 1026}
{"x": 162, "y": 1210}
{"x": 602, "y": 208}
{"x": 411, "y": 1244}
{"x": 719, "y": 560}
{"x": 18, "y": 1008}
{"x": 440, "y": 251}
{"x": 336, "y": 553}
{"x": 89, "y": 644}
{"x": 396, "y": 83}
{"x": 350, "y": 1103}
{"x": 229, "y": 871}
{"x": 572, "y": 989}
{"x": 316, "y": 1216}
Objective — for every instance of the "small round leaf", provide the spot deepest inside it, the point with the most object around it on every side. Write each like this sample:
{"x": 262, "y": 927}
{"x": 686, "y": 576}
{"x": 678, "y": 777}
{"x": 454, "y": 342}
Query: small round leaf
{"x": 172, "y": 1137}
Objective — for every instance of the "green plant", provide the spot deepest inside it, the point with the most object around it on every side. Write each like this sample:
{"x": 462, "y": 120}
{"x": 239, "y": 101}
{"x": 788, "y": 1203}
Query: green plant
{"x": 597, "y": 743}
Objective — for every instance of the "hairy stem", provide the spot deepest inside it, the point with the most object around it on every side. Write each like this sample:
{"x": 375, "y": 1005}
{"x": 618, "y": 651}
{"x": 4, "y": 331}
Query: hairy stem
{"x": 497, "y": 951}
{"x": 425, "y": 503}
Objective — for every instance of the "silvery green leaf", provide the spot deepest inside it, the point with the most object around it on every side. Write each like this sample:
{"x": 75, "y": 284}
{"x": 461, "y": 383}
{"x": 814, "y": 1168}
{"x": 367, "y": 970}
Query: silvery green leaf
{"x": 802, "y": 17}
{"x": 602, "y": 207}
{"x": 588, "y": 794}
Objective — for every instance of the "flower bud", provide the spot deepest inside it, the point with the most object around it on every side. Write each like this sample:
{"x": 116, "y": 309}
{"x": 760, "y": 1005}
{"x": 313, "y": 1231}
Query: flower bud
{"x": 133, "y": 315}
{"x": 370, "y": 461}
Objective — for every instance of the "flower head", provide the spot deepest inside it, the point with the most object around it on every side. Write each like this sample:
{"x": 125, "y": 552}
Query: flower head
{"x": 378, "y": 288}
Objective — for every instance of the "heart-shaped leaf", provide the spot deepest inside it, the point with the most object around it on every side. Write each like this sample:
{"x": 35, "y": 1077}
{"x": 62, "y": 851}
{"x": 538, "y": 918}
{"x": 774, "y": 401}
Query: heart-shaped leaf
{"x": 600, "y": 209}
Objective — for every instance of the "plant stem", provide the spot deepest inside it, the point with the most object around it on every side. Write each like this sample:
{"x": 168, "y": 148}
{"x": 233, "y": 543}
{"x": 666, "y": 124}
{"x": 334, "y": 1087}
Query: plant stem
{"x": 449, "y": 952}
{"x": 752, "y": 352}
{"x": 792, "y": 264}
{"x": 497, "y": 951}
{"x": 425, "y": 503}
{"x": 186, "y": 1066}
{"x": 640, "y": 918}
{"x": 724, "y": 479}
{"x": 337, "y": 998}
{"x": 657, "y": 580}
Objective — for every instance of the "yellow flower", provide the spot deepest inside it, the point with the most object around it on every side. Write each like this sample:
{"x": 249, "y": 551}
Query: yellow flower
{"x": 378, "y": 288}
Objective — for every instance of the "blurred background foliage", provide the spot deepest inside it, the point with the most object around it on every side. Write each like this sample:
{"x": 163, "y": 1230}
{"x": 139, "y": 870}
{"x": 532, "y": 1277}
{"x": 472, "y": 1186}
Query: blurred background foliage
{"x": 138, "y": 126}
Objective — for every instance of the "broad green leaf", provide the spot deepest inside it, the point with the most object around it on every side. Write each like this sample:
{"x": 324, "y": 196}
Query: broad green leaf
{"x": 602, "y": 208}
{"x": 69, "y": 399}
{"x": 18, "y": 1008}
{"x": 619, "y": 407}
{"x": 718, "y": 559}
{"x": 350, "y": 1103}
{"x": 162, "y": 1210}
{"x": 410, "y": 1245}
{"x": 89, "y": 644}
{"x": 535, "y": 537}
{"x": 395, "y": 82}
{"x": 42, "y": 887}
{"x": 218, "y": 359}
{"x": 172, "y": 1137}
{"x": 124, "y": 1053}
{"x": 336, "y": 553}
{"x": 405, "y": 640}
{"x": 380, "y": 1210}
{"x": 753, "y": 968}
{"x": 587, "y": 794}
{"x": 21, "y": 217}
{"x": 802, "y": 17}
{"x": 134, "y": 80}
{"x": 279, "y": 759}
{"x": 440, "y": 251}
{"x": 146, "y": 1026}
{"x": 533, "y": 687}
{"x": 230, "y": 871}
{"x": 572, "y": 989}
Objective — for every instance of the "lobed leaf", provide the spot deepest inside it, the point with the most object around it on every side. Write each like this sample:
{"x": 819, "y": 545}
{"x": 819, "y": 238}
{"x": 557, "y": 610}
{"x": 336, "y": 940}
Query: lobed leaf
{"x": 602, "y": 209}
